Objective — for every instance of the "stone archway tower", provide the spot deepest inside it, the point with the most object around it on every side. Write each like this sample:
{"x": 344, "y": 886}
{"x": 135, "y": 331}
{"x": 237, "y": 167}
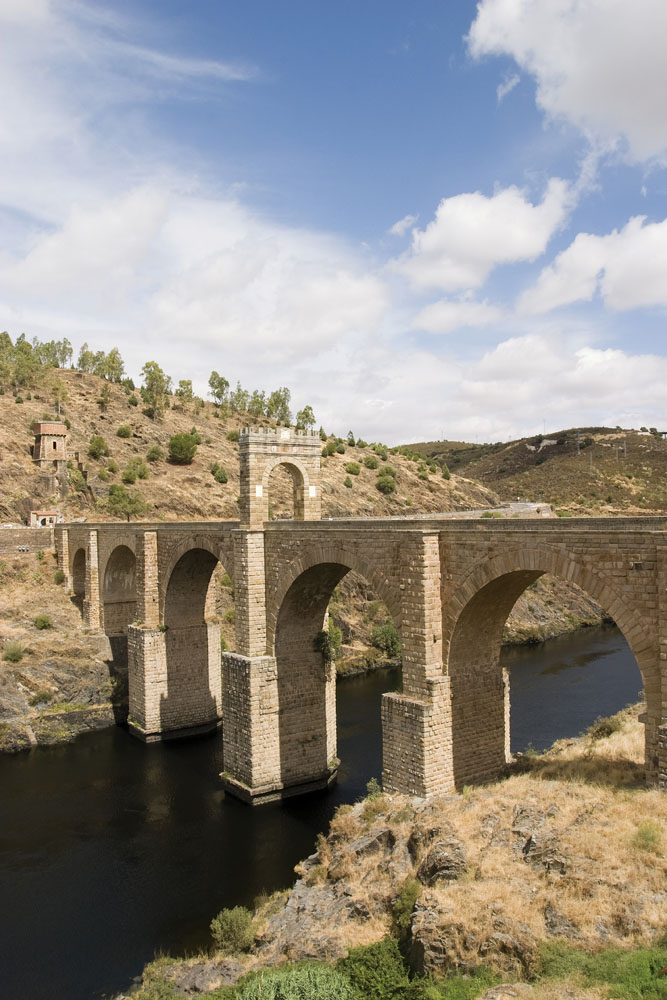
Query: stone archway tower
{"x": 260, "y": 451}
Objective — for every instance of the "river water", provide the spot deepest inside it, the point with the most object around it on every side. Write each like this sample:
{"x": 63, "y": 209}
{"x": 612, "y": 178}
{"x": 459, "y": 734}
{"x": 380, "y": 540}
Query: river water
{"x": 111, "y": 850}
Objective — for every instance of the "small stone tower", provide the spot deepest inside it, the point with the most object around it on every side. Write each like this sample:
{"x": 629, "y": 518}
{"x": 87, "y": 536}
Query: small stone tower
{"x": 50, "y": 448}
{"x": 260, "y": 451}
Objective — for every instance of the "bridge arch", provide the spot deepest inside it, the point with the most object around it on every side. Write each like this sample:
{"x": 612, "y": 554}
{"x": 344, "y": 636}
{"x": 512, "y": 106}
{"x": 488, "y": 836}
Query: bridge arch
{"x": 300, "y": 481}
{"x": 78, "y": 576}
{"x": 192, "y": 699}
{"x": 119, "y": 590}
{"x": 306, "y": 681}
{"x": 473, "y": 622}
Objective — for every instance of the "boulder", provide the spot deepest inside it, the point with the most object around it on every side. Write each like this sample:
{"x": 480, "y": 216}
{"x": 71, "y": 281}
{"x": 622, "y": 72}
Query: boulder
{"x": 445, "y": 861}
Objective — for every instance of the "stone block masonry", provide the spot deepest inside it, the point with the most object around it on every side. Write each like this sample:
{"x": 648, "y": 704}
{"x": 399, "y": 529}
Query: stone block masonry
{"x": 448, "y": 586}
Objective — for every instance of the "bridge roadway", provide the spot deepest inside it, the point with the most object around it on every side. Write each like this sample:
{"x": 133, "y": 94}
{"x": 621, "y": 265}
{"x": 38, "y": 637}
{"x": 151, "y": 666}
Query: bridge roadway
{"x": 449, "y": 586}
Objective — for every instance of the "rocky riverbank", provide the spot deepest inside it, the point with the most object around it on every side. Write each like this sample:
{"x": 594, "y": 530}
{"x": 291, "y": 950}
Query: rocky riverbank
{"x": 568, "y": 851}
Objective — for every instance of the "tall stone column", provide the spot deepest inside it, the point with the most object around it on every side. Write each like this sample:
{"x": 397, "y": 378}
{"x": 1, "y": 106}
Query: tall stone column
{"x": 148, "y": 597}
{"x": 62, "y": 547}
{"x": 146, "y": 647}
{"x": 250, "y": 733}
{"x": 91, "y": 602}
{"x": 656, "y": 720}
{"x": 416, "y": 725}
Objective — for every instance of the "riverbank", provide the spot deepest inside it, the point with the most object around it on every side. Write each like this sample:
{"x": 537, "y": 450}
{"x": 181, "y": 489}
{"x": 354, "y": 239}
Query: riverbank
{"x": 566, "y": 853}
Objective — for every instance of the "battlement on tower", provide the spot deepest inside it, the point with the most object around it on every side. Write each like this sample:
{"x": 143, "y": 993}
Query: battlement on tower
{"x": 261, "y": 449}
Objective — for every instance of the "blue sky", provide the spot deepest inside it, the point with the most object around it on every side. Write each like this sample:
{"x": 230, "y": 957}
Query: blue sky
{"x": 434, "y": 219}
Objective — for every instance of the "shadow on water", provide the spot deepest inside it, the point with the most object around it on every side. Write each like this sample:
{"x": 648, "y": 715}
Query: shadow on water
{"x": 111, "y": 850}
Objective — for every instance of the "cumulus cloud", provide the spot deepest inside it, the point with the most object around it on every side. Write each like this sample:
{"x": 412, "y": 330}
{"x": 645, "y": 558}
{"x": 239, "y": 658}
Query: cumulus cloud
{"x": 628, "y": 268}
{"x": 599, "y": 64}
{"x": 472, "y": 233}
{"x": 448, "y": 315}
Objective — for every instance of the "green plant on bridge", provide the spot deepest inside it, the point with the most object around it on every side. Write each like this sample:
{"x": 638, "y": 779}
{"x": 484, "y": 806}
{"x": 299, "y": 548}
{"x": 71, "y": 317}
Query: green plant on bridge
{"x": 328, "y": 642}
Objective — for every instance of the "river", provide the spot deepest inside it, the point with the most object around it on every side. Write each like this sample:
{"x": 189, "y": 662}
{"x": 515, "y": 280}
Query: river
{"x": 111, "y": 850}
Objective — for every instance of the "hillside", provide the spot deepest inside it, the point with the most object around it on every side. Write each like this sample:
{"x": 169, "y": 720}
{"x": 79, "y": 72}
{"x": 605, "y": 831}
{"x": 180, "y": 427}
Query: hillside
{"x": 189, "y": 492}
{"x": 589, "y": 471}
{"x": 521, "y": 880}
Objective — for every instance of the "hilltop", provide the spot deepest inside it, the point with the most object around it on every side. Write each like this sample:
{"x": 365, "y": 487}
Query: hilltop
{"x": 585, "y": 471}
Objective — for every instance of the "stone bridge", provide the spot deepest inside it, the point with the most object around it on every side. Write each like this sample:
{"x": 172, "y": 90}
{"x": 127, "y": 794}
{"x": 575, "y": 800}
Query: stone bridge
{"x": 448, "y": 585}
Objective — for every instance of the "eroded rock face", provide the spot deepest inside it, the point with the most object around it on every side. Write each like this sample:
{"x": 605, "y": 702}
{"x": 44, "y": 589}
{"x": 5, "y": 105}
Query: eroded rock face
{"x": 204, "y": 977}
{"x": 445, "y": 861}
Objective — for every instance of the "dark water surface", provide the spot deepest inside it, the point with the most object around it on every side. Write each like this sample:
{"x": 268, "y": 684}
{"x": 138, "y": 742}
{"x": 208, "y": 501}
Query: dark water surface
{"x": 111, "y": 850}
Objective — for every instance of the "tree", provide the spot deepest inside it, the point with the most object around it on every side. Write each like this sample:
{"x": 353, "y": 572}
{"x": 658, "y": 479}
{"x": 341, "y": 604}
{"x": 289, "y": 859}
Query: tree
{"x": 104, "y": 398}
{"x": 126, "y": 503}
{"x": 86, "y": 360}
{"x": 278, "y": 406}
{"x": 182, "y": 448}
{"x": 155, "y": 389}
{"x": 184, "y": 392}
{"x": 305, "y": 418}
{"x": 350, "y": 439}
{"x": 218, "y": 388}
{"x": 238, "y": 400}
{"x": 97, "y": 446}
{"x": 114, "y": 368}
{"x": 257, "y": 403}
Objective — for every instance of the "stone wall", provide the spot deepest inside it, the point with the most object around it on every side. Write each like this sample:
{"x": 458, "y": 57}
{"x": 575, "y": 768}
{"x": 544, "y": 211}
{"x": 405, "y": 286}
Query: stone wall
{"x": 14, "y": 541}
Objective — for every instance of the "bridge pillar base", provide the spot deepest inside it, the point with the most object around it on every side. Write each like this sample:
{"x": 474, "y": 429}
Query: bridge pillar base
{"x": 260, "y": 796}
{"x": 417, "y": 741}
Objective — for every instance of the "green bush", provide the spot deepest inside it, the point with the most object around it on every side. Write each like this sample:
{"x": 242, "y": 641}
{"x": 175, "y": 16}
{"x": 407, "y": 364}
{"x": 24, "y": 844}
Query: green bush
{"x": 129, "y": 475}
{"x": 371, "y": 462}
{"x": 632, "y": 975}
{"x": 182, "y": 449}
{"x": 298, "y": 981}
{"x": 402, "y": 907}
{"x": 232, "y": 930}
{"x": 648, "y": 837}
{"x": 446, "y": 474}
{"x": 103, "y": 475}
{"x": 124, "y": 431}
{"x": 386, "y": 638}
{"x": 386, "y": 484}
{"x": 133, "y": 401}
{"x": 347, "y": 482}
{"x": 154, "y": 453}
{"x": 97, "y": 447}
{"x": 112, "y": 467}
{"x": 604, "y": 726}
{"x": 76, "y": 480}
{"x": 353, "y": 468}
{"x": 329, "y": 449}
{"x": 361, "y": 443}
{"x": 233, "y": 436}
{"x": 219, "y": 473}
{"x": 13, "y": 652}
{"x": 340, "y": 448}
{"x": 376, "y": 971}
{"x": 389, "y": 470}
{"x": 328, "y": 643}
{"x": 59, "y": 576}
{"x": 42, "y": 622}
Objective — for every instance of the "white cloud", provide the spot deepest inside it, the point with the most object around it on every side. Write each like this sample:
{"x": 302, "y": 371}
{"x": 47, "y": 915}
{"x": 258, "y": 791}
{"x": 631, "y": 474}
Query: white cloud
{"x": 27, "y": 12}
{"x": 506, "y": 86}
{"x": 401, "y": 227}
{"x": 600, "y": 64}
{"x": 447, "y": 315}
{"x": 472, "y": 233}
{"x": 628, "y": 268}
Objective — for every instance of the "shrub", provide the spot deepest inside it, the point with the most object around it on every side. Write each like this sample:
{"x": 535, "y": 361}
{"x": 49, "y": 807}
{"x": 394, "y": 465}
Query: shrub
{"x": 233, "y": 436}
{"x": 182, "y": 449}
{"x": 219, "y": 473}
{"x": 13, "y": 652}
{"x": 133, "y": 401}
{"x": 232, "y": 930}
{"x": 353, "y": 468}
{"x": 403, "y": 906}
{"x": 386, "y": 484}
{"x": 129, "y": 475}
{"x": 59, "y": 576}
{"x": 386, "y": 638}
{"x": 103, "y": 475}
{"x": 604, "y": 726}
{"x": 446, "y": 474}
{"x": 633, "y": 974}
{"x": 371, "y": 462}
{"x": 112, "y": 467}
{"x": 361, "y": 443}
{"x": 648, "y": 836}
{"x": 42, "y": 622}
{"x": 39, "y": 555}
{"x": 194, "y": 433}
{"x": 347, "y": 482}
{"x": 124, "y": 431}
{"x": 329, "y": 449}
{"x": 97, "y": 447}
{"x": 297, "y": 981}
{"x": 389, "y": 470}
{"x": 340, "y": 448}
{"x": 376, "y": 971}
{"x": 154, "y": 453}
{"x": 328, "y": 641}
{"x": 76, "y": 480}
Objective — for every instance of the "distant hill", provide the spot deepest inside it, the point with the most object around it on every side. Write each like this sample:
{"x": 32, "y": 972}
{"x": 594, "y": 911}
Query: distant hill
{"x": 583, "y": 471}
